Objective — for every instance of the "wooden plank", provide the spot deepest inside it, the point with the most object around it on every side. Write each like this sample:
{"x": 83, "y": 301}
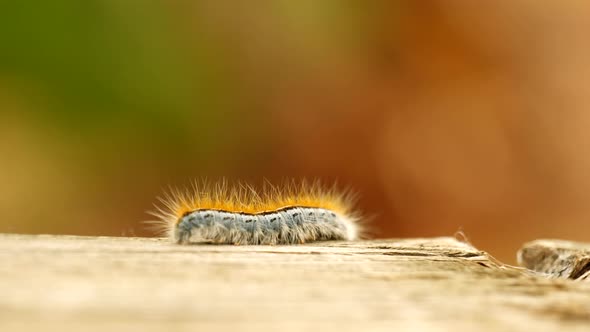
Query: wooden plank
{"x": 70, "y": 283}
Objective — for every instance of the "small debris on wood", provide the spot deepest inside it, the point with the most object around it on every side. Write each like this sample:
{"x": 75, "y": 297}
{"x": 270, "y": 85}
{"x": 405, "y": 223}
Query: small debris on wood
{"x": 557, "y": 258}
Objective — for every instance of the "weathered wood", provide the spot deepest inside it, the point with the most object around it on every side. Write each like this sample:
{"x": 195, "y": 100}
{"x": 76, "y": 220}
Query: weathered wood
{"x": 104, "y": 284}
{"x": 557, "y": 259}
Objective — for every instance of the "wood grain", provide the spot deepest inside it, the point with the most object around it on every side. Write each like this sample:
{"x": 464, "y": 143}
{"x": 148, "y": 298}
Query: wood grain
{"x": 65, "y": 283}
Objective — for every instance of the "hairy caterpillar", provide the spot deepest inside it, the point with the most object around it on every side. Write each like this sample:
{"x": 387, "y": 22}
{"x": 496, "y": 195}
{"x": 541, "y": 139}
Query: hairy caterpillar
{"x": 291, "y": 214}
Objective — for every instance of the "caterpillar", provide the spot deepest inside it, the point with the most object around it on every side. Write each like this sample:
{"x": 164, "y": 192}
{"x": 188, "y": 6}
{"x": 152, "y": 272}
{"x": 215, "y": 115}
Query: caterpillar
{"x": 293, "y": 213}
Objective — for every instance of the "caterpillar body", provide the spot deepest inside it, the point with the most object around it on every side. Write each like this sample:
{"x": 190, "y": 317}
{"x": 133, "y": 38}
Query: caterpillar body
{"x": 293, "y": 214}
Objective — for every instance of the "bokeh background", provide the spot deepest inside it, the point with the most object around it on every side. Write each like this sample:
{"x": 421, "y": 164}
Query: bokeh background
{"x": 442, "y": 115}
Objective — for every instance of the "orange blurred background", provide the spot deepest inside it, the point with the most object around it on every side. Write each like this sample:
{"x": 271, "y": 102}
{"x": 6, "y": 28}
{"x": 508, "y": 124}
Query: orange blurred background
{"x": 441, "y": 115}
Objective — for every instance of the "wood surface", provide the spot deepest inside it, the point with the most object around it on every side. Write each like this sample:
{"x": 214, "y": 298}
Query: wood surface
{"x": 67, "y": 283}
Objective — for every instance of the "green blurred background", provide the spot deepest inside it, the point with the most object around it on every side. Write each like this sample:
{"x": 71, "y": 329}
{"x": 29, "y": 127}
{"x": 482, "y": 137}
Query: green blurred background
{"x": 442, "y": 115}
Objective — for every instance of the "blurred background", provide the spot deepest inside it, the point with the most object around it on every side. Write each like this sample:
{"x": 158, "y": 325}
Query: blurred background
{"x": 441, "y": 115}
